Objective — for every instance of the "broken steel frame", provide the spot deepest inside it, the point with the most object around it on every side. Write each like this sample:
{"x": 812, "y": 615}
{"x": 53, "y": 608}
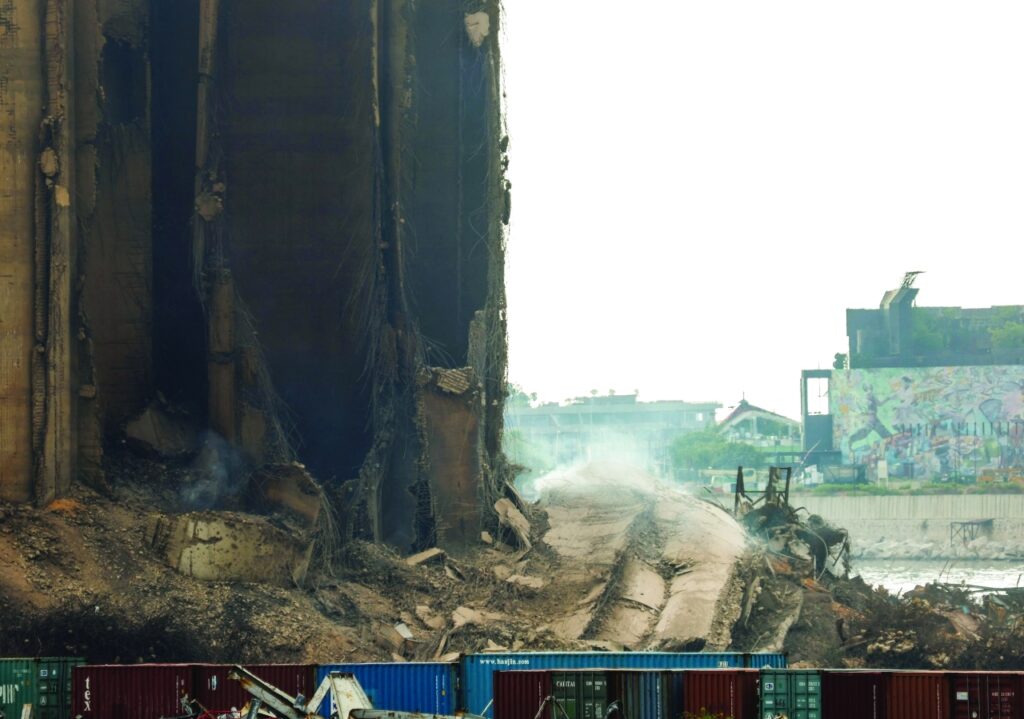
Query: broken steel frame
{"x": 770, "y": 494}
{"x": 968, "y": 531}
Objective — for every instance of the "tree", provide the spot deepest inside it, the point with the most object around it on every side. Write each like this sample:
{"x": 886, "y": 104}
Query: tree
{"x": 1008, "y": 337}
{"x": 707, "y": 448}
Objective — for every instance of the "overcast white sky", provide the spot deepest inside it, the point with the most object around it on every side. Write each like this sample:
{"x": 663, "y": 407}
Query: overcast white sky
{"x": 700, "y": 189}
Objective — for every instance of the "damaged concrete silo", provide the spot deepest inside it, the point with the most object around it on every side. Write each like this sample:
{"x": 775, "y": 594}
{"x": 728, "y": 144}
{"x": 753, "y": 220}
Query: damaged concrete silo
{"x": 287, "y": 217}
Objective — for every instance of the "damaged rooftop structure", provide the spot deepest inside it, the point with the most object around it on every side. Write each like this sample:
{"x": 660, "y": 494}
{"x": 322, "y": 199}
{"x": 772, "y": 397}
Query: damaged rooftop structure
{"x": 284, "y": 221}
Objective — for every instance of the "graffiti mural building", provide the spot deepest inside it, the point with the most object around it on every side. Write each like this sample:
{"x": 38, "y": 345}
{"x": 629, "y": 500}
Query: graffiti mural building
{"x": 929, "y": 422}
{"x": 932, "y": 393}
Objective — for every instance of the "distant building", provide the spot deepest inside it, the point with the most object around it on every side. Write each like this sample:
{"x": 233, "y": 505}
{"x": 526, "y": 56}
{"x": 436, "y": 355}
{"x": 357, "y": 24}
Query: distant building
{"x": 933, "y": 393}
{"x": 616, "y": 426}
{"x": 761, "y": 428}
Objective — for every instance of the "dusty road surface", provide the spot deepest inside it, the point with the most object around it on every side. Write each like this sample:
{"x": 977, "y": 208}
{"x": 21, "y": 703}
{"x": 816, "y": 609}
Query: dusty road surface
{"x": 646, "y": 563}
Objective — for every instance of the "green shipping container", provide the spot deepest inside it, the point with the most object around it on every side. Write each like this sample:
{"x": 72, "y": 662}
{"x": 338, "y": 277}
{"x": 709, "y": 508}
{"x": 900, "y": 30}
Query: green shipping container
{"x": 792, "y": 694}
{"x": 593, "y": 695}
{"x": 566, "y": 690}
{"x": 44, "y": 683}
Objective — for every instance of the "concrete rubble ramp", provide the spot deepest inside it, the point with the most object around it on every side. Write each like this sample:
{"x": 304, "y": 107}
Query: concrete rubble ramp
{"x": 651, "y": 567}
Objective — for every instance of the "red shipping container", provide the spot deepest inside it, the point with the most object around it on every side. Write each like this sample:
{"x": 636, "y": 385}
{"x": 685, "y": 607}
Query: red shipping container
{"x": 733, "y": 692}
{"x": 214, "y": 690}
{"x": 519, "y": 694}
{"x": 918, "y": 695}
{"x": 130, "y": 691}
{"x": 986, "y": 695}
{"x": 853, "y": 695}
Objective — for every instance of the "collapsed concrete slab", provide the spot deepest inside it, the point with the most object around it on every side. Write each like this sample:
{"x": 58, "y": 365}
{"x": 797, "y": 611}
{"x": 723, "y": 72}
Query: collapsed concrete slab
{"x": 230, "y": 547}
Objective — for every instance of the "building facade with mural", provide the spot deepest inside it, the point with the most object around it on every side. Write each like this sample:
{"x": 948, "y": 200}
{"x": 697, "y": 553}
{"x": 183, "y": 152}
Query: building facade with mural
{"x": 923, "y": 393}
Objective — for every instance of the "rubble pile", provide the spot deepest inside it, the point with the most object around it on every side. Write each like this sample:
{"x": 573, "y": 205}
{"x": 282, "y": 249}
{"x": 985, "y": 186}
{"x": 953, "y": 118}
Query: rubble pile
{"x": 607, "y": 559}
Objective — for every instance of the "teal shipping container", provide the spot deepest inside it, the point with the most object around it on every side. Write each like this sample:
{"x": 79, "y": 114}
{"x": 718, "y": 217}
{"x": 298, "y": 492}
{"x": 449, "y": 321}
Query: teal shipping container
{"x": 792, "y": 693}
{"x": 45, "y": 683}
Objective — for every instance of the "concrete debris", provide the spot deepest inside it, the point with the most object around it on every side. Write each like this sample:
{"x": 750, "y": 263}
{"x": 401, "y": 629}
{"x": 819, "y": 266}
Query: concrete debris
{"x": 157, "y": 431}
{"x": 453, "y": 571}
{"x": 478, "y": 27}
{"x": 528, "y": 582}
{"x": 390, "y": 638}
{"x": 426, "y": 615}
{"x": 451, "y": 381}
{"x": 290, "y": 487}
{"x": 230, "y": 547}
{"x": 511, "y": 518}
{"x": 463, "y": 616}
{"x": 427, "y": 556}
{"x": 486, "y": 537}
{"x": 404, "y": 631}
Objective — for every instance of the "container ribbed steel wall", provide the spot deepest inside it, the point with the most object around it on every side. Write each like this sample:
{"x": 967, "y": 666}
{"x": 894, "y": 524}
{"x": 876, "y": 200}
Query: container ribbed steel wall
{"x": 519, "y": 695}
{"x": 985, "y": 695}
{"x": 478, "y": 669}
{"x": 918, "y": 695}
{"x": 427, "y": 687}
{"x": 732, "y": 692}
{"x": 853, "y": 695}
{"x": 130, "y": 691}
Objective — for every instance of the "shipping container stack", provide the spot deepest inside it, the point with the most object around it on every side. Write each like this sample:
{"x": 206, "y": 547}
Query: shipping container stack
{"x": 478, "y": 670}
{"x": 616, "y": 685}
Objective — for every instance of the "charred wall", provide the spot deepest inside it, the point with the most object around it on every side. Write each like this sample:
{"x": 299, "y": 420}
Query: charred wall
{"x": 22, "y": 93}
{"x": 299, "y": 145}
{"x": 287, "y": 218}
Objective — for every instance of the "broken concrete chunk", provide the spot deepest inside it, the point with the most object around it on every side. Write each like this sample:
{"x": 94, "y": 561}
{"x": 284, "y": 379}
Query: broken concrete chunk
{"x": 403, "y": 629}
{"x": 486, "y": 537}
{"x": 425, "y": 557}
{"x": 509, "y": 516}
{"x": 290, "y": 486}
{"x": 428, "y": 617}
{"x": 230, "y": 547}
{"x": 502, "y": 571}
{"x": 391, "y": 637}
{"x": 464, "y": 615}
{"x": 529, "y": 582}
{"x": 158, "y": 432}
{"x": 478, "y": 27}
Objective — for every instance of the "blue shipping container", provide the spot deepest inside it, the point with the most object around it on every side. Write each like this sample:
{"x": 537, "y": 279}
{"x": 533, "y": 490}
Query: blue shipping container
{"x": 764, "y": 661}
{"x": 478, "y": 669}
{"x": 428, "y": 687}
